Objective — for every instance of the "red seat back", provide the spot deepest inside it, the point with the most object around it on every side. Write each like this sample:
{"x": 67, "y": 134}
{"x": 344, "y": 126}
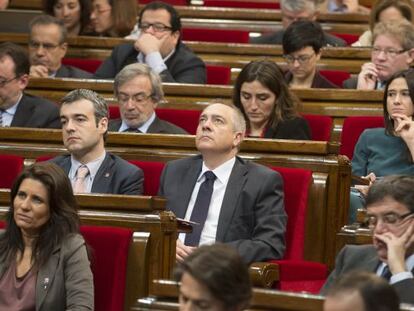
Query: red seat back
{"x": 347, "y": 37}
{"x": 218, "y": 74}
{"x": 152, "y": 173}
{"x": 337, "y": 77}
{"x": 243, "y": 4}
{"x": 114, "y": 112}
{"x": 172, "y": 2}
{"x": 321, "y": 126}
{"x": 353, "y": 128}
{"x": 89, "y": 65}
{"x": 109, "y": 250}
{"x": 215, "y": 35}
{"x": 186, "y": 119}
{"x": 10, "y": 168}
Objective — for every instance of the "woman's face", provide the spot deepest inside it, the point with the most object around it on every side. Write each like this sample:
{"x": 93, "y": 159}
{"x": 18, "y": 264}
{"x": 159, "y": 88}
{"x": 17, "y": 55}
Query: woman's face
{"x": 399, "y": 99}
{"x": 257, "y": 101}
{"x": 31, "y": 206}
{"x": 390, "y": 14}
{"x": 101, "y": 17}
{"x": 302, "y": 63}
{"x": 69, "y": 11}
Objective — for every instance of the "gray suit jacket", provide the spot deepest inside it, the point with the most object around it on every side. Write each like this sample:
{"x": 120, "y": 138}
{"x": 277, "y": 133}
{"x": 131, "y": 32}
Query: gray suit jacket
{"x": 72, "y": 72}
{"x": 65, "y": 282}
{"x": 252, "y": 218}
{"x": 115, "y": 175}
{"x": 158, "y": 126}
{"x": 365, "y": 258}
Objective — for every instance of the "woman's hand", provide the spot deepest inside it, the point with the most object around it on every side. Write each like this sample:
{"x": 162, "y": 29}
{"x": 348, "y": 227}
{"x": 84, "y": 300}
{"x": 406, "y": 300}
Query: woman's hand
{"x": 404, "y": 128}
{"x": 364, "y": 189}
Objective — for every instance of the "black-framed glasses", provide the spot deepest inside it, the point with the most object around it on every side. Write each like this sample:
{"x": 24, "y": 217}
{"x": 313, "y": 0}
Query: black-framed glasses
{"x": 3, "y": 82}
{"x": 387, "y": 52}
{"x": 388, "y": 219}
{"x": 138, "y": 98}
{"x": 158, "y": 27}
{"x": 47, "y": 46}
{"x": 302, "y": 59}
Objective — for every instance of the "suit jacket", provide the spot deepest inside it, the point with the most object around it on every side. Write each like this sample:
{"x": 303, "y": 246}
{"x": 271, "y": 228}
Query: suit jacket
{"x": 72, "y": 72}
{"x": 277, "y": 38}
{"x": 183, "y": 66}
{"x": 65, "y": 281}
{"x": 365, "y": 258}
{"x": 115, "y": 175}
{"x": 350, "y": 83}
{"x": 252, "y": 217}
{"x": 36, "y": 112}
{"x": 296, "y": 128}
{"x": 158, "y": 126}
{"x": 318, "y": 82}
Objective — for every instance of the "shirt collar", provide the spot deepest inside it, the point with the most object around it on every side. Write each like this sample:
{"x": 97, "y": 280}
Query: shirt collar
{"x": 93, "y": 166}
{"x": 222, "y": 172}
{"x": 143, "y": 128}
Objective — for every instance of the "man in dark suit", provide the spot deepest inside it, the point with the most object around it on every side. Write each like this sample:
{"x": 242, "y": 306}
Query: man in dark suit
{"x": 159, "y": 46}
{"x": 16, "y": 107}
{"x": 84, "y": 117}
{"x": 294, "y": 10}
{"x": 47, "y": 47}
{"x": 139, "y": 90}
{"x": 390, "y": 210}
{"x": 244, "y": 207}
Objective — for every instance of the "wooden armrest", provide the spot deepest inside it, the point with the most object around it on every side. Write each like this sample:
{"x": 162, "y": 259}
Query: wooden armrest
{"x": 264, "y": 274}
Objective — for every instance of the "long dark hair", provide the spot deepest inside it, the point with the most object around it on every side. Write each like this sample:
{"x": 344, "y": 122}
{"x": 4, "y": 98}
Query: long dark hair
{"x": 63, "y": 220}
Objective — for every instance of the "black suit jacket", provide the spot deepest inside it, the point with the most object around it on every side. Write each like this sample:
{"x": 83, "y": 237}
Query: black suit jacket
{"x": 296, "y": 128}
{"x": 318, "y": 82}
{"x": 252, "y": 217}
{"x": 365, "y": 258}
{"x": 115, "y": 175}
{"x": 182, "y": 67}
{"x": 158, "y": 126}
{"x": 36, "y": 112}
{"x": 72, "y": 72}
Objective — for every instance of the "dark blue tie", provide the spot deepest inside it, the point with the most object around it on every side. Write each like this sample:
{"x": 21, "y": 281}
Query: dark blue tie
{"x": 132, "y": 130}
{"x": 200, "y": 210}
{"x": 386, "y": 273}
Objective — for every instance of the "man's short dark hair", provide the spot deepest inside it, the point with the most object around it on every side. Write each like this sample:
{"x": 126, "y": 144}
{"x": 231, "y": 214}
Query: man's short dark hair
{"x": 45, "y": 20}
{"x": 301, "y": 34}
{"x": 221, "y": 269}
{"x": 175, "y": 20}
{"x": 18, "y": 55}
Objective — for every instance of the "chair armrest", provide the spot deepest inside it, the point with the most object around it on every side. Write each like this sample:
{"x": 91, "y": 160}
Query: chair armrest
{"x": 264, "y": 274}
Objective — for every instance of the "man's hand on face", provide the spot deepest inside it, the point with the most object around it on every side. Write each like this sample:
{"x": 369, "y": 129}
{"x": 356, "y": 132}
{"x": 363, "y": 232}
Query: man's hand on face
{"x": 147, "y": 43}
{"x": 39, "y": 71}
{"x": 182, "y": 251}
{"x": 368, "y": 76}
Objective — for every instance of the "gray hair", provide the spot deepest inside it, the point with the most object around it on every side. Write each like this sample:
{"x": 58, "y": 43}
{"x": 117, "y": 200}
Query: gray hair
{"x": 44, "y": 20}
{"x": 402, "y": 30}
{"x": 134, "y": 70}
{"x": 239, "y": 122}
{"x": 298, "y": 5}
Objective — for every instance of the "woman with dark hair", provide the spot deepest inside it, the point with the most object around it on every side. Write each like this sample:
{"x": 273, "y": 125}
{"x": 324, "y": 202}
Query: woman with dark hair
{"x": 74, "y": 14}
{"x": 43, "y": 258}
{"x": 112, "y": 18}
{"x": 270, "y": 109}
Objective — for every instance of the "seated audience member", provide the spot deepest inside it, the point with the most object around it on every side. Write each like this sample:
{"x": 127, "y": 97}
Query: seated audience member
{"x": 342, "y": 6}
{"x": 294, "y": 10}
{"x": 159, "y": 46}
{"x": 302, "y": 43}
{"x": 213, "y": 277}
{"x": 270, "y": 109}
{"x": 232, "y": 201}
{"x": 44, "y": 263}
{"x": 84, "y": 117}
{"x": 113, "y": 18}
{"x": 16, "y": 107}
{"x": 385, "y": 151}
{"x": 47, "y": 47}
{"x": 390, "y": 209}
{"x": 392, "y": 51}
{"x": 73, "y": 13}
{"x": 139, "y": 90}
{"x": 4, "y": 4}
{"x": 386, "y": 11}
{"x": 361, "y": 291}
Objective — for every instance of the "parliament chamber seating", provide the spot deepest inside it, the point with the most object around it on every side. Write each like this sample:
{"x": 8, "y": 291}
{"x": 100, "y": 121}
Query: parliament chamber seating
{"x": 152, "y": 173}
{"x": 349, "y": 38}
{"x": 214, "y": 35}
{"x": 89, "y": 65}
{"x": 242, "y": 4}
{"x": 337, "y": 77}
{"x": 10, "y": 168}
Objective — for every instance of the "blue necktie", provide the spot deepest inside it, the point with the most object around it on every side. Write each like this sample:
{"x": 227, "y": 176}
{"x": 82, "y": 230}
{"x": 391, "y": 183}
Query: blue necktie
{"x": 386, "y": 273}
{"x": 200, "y": 210}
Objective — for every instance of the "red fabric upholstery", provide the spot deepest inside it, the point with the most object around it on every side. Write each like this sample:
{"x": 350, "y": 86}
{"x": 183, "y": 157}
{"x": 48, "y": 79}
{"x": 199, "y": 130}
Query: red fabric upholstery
{"x": 89, "y": 65}
{"x": 186, "y": 119}
{"x": 347, "y": 37}
{"x": 215, "y": 35}
{"x": 353, "y": 128}
{"x": 2, "y": 224}
{"x": 109, "y": 250}
{"x": 218, "y": 74}
{"x": 114, "y": 112}
{"x": 243, "y": 4}
{"x": 172, "y": 2}
{"x": 337, "y": 77}
{"x": 10, "y": 168}
{"x": 43, "y": 158}
{"x": 320, "y": 126}
{"x": 152, "y": 173}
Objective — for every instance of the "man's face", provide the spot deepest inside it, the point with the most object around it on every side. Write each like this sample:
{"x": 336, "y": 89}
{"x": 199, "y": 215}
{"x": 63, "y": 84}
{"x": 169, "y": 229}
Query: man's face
{"x": 162, "y": 17}
{"x": 388, "y": 57}
{"x": 382, "y": 212}
{"x": 135, "y": 104}
{"x": 82, "y": 137}
{"x": 304, "y": 62}
{"x": 11, "y": 87}
{"x": 288, "y": 17}
{"x": 344, "y": 302}
{"x": 46, "y": 48}
{"x": 215, "y": 131}
{"x": 196, "y": 296}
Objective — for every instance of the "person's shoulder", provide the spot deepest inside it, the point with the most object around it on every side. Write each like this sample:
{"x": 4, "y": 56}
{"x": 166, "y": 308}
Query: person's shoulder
{"x": 185, "y": 53}
{"x": 184, "y": 162}
{"x": 333, "y": 40}
{"x": 72, "y": 242}
{"x": 75, "y": 72}
{"x": 165, "y": 127}
{"x": 271, "y": 38}
{"x": 123, "y": 164}
{"x": 351, "y": 251}
{"x": 39, "y": 102}
{"x": 259, "y": 169}
{"x": 59, "y": 159}
{"x": 377, "y": 132}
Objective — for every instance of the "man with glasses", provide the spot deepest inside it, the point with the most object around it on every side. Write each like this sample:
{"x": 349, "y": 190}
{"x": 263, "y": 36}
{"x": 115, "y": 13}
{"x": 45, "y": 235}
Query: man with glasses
{"x": 47, "y": 48}
{"x": 159, "y": 46}
{"x": 392, "y": 51}
{"x": 390, "y": 211}
{"x": 16, "y": 107}
{"x": 139, "y": 90}
{"x": 302, "y": 43}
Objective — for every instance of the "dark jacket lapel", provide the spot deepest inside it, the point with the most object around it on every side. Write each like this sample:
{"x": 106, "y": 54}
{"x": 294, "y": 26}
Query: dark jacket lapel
{"x": 103, "y": 178}
{"x": 23, "y": 112}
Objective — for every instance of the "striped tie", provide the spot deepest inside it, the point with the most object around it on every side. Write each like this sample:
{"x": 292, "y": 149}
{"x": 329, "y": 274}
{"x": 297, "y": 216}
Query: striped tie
{"x": 1, "y": 117}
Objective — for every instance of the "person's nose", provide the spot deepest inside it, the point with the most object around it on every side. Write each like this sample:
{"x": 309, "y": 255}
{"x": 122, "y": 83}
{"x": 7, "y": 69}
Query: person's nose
{"x": 380, "y": 227}
{"x": 295, "y": 63}
{"x": 69, "y": 126}
{"x": 65, "y": 11}
{"x": 25, "y": 204}
{"x": 206, "y": 125}
{"x": 397, "y": 99}
{"x": 253, "y": 103}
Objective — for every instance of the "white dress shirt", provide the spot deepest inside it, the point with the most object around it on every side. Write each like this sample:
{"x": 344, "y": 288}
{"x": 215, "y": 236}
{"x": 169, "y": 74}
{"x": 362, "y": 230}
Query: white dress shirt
{"x": 8, "y": 114}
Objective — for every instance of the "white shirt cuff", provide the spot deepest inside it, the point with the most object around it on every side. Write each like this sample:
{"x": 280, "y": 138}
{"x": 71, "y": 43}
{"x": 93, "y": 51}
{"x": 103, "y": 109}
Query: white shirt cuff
{"x": 155, "y": 61}
{"x": 401, "y": 277}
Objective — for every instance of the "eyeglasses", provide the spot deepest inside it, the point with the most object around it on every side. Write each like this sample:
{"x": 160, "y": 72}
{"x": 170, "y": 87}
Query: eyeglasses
{"x": 387, "y": 52}
{"x": 3, "y": 82}
{"x": 157, "y": 27}
{"x": 302, "y": 59}
{"x": 388, "y": 219}
{"x": 47, "y": 46}
{"x": 136, "y": 98}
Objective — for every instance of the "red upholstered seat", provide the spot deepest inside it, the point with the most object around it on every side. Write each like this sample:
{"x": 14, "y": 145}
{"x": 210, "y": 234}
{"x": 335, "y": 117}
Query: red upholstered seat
{"x": 215, "y": 35}
{"x": 186, "y": 119}
{"x": 320, "y": 126}
{"x": 89, "y": 65}
{"x": 10, "y": 168}
{"x": 114, "y": 112}
{"x": 172, "y": 2}
{"x": 152, "y": 173}
{"x": 218, "y": 74}
{"x": 2, "y": 224}
{"x": 109, "y": 250}
{"x": 347, "y": 37}
{"x": 337, "y": 77}
{"x": 353, "y": 128}
{"x": 243, "y": 4}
